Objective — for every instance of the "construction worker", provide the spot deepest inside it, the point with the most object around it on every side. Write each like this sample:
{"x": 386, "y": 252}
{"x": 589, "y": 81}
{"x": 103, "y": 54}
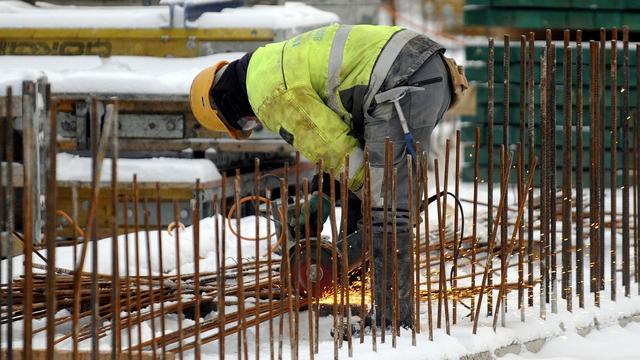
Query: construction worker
{"x": 329, "y": 93}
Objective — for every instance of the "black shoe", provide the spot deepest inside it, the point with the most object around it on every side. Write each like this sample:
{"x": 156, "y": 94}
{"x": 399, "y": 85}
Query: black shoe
{"x": 355, "y": 329}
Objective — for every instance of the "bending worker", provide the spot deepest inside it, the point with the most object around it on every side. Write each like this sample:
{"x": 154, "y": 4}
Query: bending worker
{"x": 331, "y": 91}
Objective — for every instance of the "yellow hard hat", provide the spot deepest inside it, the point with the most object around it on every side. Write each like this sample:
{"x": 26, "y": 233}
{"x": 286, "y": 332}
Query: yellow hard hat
{"x": 202, "y": 108}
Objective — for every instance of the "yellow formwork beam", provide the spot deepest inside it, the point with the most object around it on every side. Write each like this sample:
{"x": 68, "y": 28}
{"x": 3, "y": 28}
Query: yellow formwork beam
{"x": 177, "y": 42}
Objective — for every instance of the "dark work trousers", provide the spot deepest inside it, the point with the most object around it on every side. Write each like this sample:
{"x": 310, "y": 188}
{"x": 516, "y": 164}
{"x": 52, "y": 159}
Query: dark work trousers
{"x": 423, "y": 109}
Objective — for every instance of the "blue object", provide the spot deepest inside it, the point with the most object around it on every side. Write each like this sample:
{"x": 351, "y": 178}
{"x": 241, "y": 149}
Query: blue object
{"x": 193, "y": 11}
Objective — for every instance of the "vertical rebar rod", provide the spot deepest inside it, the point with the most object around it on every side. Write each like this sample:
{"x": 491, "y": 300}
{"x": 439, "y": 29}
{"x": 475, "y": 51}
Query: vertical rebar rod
{"x": 344, "y": 201}
{"x": 411, "y": 248}
{"x": 456, "y": 236}
{"x": 9, "y": 213}
{"x": 50, "y": 234}
{"x": 320, "y": 175}
{"x": 636, "y": 147}
{"x": 625, "y": 162}
{"x": 505, "y": 140}
{"x": 566, "y": 175}
{"x": 490, "y": 118}
{"x": 521, "y": 170}
{"x": 614, "y": 167}
{"x": 369, "y": 237}
{"x": 127, "y": 280}
{"x": 256, "y": 183}
{"x": 532, "y": 142}
{"x": 394, "y": 257}
{"x": 136, "y": 236}
{"x": 500, "y": 312}
{"x": 116, "y": 341}
{"x": 386, "y": 189}
{"x": 334, "y": 263}
{"x": 28, "y": 93}
{"x": 242, "y": 320}
{"x": 4, "y": 245}
{"x": 594, "y": 285}
{"x": 544, "y": 224}
{"x": 521, "y": 247}
{"x": 442, "y": 287}
{"x": 267, "y": 195}
{"x": 579, "y": 172}
{"x": 223, "y": 259}
{"x": 94, "y": 119}
{"x": 284, "y": 197}
{"x": 474, "y": 222}
{"x": 307, "y": 252}
{"x": 443, "y": 212}
{"x": 196, "y": 268}
{"x": 551, "y": 105}
{"x": 427, "y": 247}
{"x": 147, "y": 241}
{"x": 416, "y": 222}
{"x": 219, "y": 265}
{"x": 160, "y": 268}
{"x": 602, "y": 92}
{"x": 491, "y": 245}
{"x": 296, "y": 256}
{"x": 176, "y": 221}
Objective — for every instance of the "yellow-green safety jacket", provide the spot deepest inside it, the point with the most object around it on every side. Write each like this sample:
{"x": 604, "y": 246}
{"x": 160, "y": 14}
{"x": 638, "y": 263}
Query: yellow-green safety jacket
{"x": 293, "y": 87}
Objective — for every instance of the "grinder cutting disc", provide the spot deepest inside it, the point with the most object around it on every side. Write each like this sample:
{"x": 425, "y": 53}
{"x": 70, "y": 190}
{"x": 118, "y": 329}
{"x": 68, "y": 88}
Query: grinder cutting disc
{"x": 318, "y": 272}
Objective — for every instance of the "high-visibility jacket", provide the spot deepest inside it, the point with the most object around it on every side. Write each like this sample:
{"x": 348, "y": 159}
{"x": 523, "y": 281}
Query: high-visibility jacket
{"x": 294, "y": 89}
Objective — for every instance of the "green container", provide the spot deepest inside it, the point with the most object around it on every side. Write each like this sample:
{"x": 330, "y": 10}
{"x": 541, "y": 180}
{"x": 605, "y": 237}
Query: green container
{"x": 481, "y": 16}
{"x": 477, "y": 2}
{"x": 632, "y": 19}
{"x": 581, "y": 19}
{"x": 537, "y": 19}
{"x": 532, "y": 3}
{"x": 608, "y": 19}
{"x": 598, "y": 4}
{"x": 632, "y": 5}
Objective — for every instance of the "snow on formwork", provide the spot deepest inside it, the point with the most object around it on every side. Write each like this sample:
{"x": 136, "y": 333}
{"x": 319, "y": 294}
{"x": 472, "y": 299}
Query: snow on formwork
{"x": 16, "y": 14}
{"x": 166, "y": 170}
{"x": 113, "y": 75}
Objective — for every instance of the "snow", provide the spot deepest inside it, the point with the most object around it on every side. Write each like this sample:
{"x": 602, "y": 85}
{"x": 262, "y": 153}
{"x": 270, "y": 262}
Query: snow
{"x": 166, "y": 170}
{"x": 15, "y": 14}
{"x": 114, "y": 75}
{"x": 291, "y": 15}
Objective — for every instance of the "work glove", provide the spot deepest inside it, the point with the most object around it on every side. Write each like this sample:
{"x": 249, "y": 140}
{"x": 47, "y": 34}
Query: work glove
{"x": 314, "y": 201}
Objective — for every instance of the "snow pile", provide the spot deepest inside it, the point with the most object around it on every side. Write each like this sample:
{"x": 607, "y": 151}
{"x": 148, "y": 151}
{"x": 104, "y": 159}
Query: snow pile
{"x": 114, "y": 75}
{"x": 290, "y": 15}
{"x": 166, "y": 170}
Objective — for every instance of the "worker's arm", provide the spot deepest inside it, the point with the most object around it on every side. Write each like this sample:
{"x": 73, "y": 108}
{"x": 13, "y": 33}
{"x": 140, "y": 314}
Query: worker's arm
{"x": 302, "y": 119}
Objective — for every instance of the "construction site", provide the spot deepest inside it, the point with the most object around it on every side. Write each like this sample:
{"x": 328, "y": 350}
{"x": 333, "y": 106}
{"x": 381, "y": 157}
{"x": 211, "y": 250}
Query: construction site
{"x": 131, "y": 228}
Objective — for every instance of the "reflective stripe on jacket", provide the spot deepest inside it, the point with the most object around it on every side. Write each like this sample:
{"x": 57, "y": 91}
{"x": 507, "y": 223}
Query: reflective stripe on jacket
{"x": 295, "y": 88}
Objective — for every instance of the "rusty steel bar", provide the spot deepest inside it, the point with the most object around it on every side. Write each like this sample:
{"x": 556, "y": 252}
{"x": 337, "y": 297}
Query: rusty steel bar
{"x": 474, "y": 222}
{"x": 344, "y": 202}
{"x": 566, "y": 175}
{"x": 337, "y": 333}
{"x": 442, "y": 284}
{"x": 147, "y": 241}
{"x": 501, "y": 313}
{"x": 394, "y": 258}
{"x": 636, "y": 147}
{"x": 551, "y": 105}
{"x": 579, "y": 172}
{"x": 490, "y": 118}
{"x": 136, "y": 236}
{"x": 456, "y": 239}
{"x": 307, "y": 237}
{"x": 284, "y": 196}
{"x": 176, "y": 221}
{"x": 94, "y": 120}
{"x": 127, "y": 280}
{"x": 614, "y": 167}
{"x": 196, "y": 269}
{"x": 28, "y": 94}
{"x": 267, "y": 195}
{"x": 50, "y": 230}
{"x": 626, "y": 276}
{"x": 116, "y": 335}
{"x": 492, "y": 240}
{"x": 445, "y": 190}
{"x": 318, "y": 237}
{"x": 522, "y": 168}
{"x": 594, "y": 206}
{"x": 544, "y": 224}
{"x": 10, "y": 212}
{"x": 504, "y": 182}
{"x": 416, "y": 222}
{"x": 369, "y": 231}
{"x": 532, "y": 141}
{"x": 160, "y": 275}
{"x": 223, "y": 258}
{"x": 256, "y": 183}
{"x": 425, "y": 181}
{"x": 4, "y": 246}
{"x": 296, "y": 254}
{"x": 242, "y": 325}
{"x": 412, "y": 278}
{"x": 602, "y": 91}
{"x": 386, "y": 186}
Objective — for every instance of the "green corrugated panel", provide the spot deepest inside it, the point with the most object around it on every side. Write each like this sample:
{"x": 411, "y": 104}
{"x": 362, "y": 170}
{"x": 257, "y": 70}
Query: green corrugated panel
{"x": 599, "y": 4}
{"x": 581, "y": 19}
{"x": 608, "y": 19}
{"x": 477, "y": 2}
{"x": 632, "y": 19}
{"x": 536, "y": 19}
{"x": 632, "y": 5}
{"x": 478, "y": 16}
{"x": 533, "y": 3}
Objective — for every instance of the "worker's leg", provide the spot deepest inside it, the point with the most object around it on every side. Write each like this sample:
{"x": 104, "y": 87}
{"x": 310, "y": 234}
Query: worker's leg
{"x": 423, "y": 109}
